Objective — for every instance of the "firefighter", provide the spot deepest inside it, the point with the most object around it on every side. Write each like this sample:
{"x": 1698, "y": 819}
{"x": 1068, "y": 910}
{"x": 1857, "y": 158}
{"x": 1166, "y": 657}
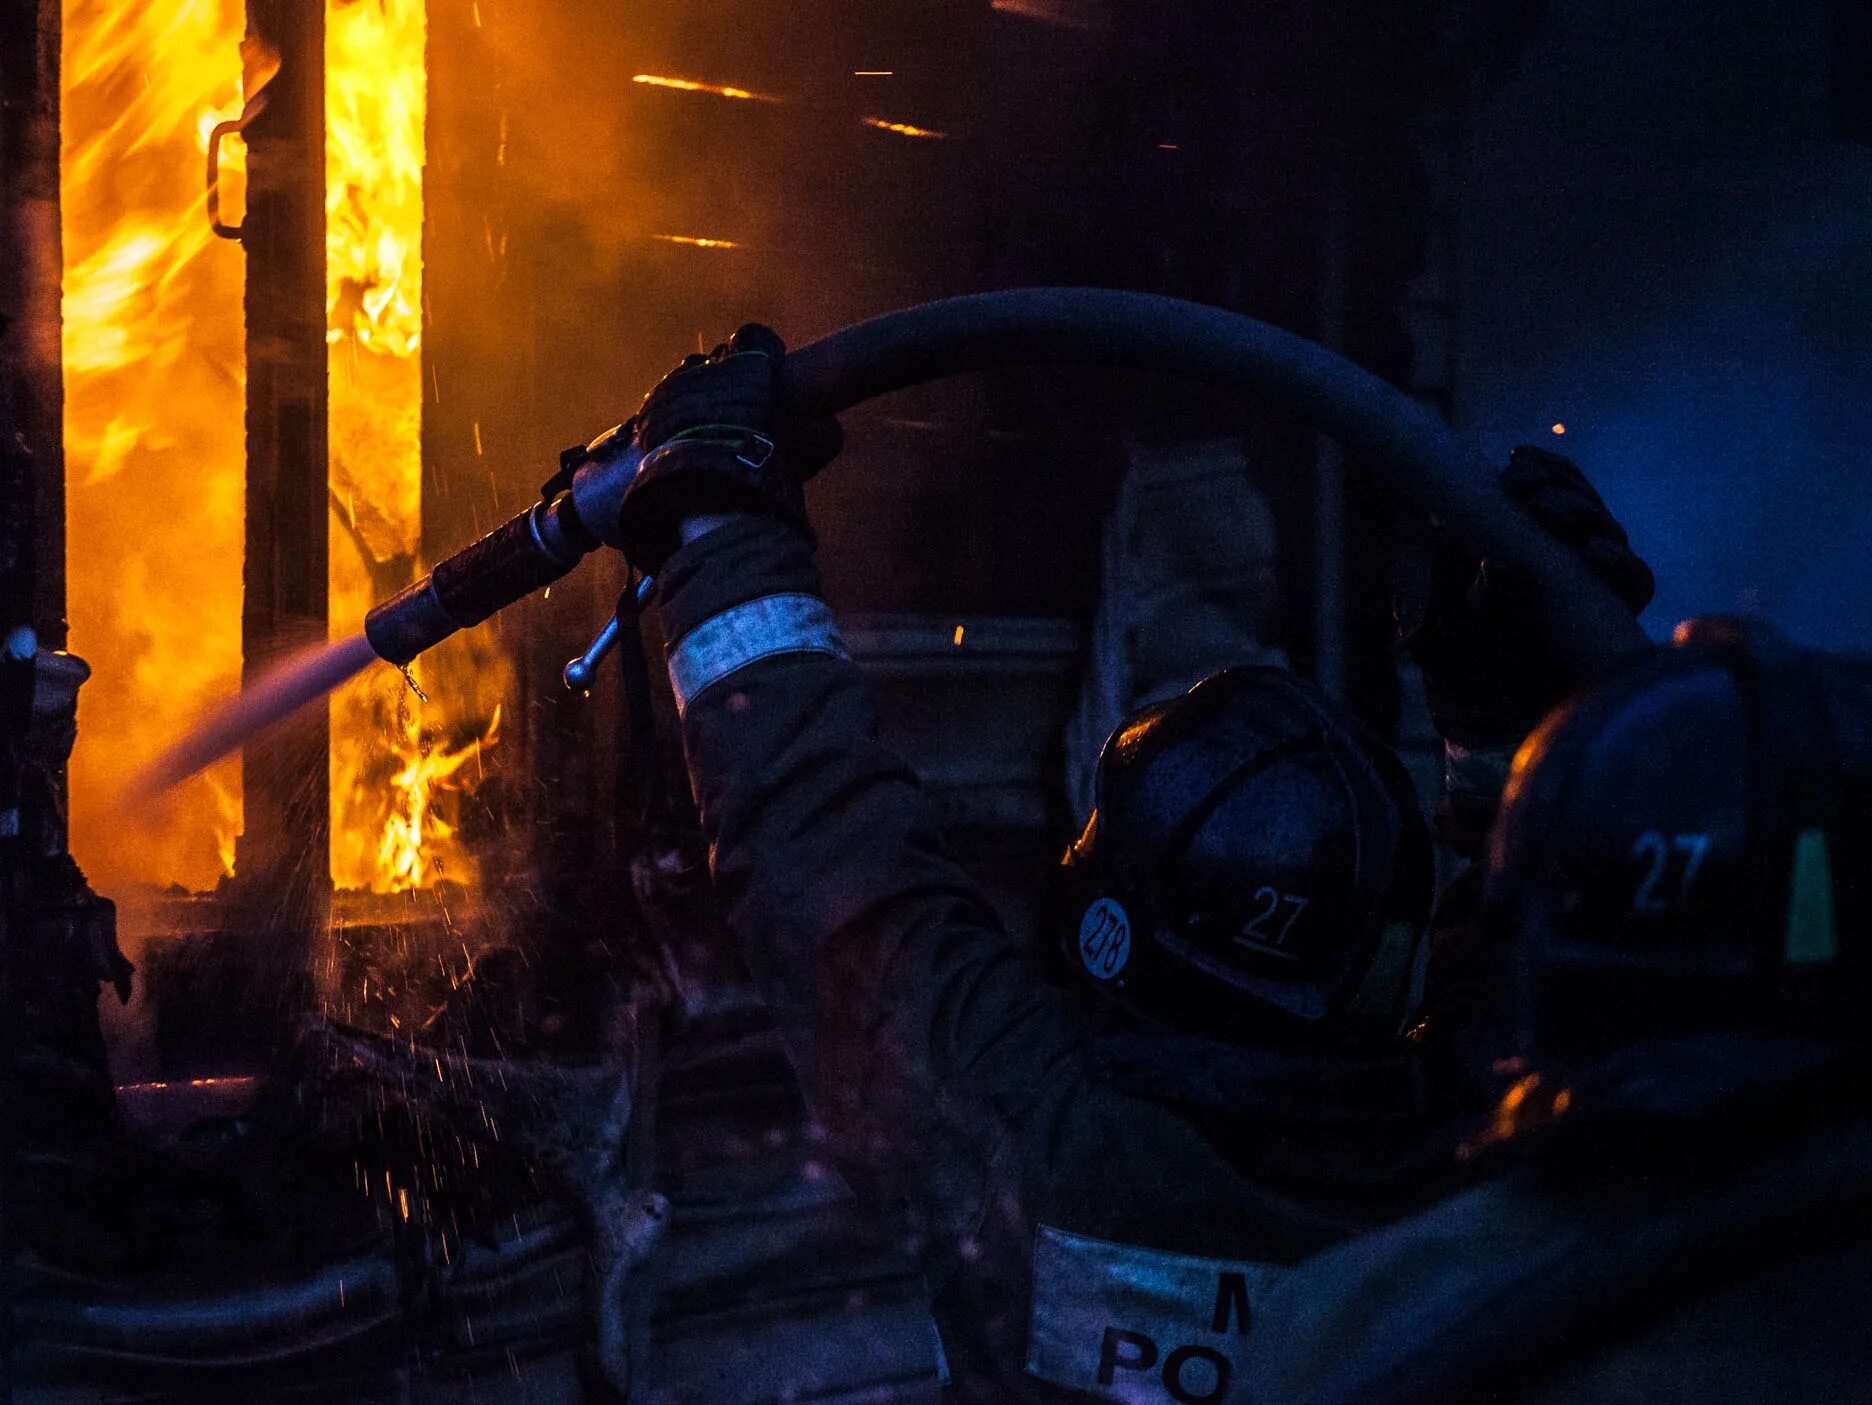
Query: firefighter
{"x": 1110, "y": 1156}
{"x": 1678, "y": 1205}
{"x": 1474, "y": 630}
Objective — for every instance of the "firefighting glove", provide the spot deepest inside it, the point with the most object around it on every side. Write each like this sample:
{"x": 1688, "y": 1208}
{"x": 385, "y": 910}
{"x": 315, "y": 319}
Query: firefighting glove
{"x": 1489, "y": 672}
{"x": 717, "y": 438}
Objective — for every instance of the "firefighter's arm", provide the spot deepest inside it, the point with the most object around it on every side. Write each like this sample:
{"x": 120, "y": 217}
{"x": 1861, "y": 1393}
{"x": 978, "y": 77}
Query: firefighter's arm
{"x": 919, "y": 1027}
{"x": 1490, "y": 674}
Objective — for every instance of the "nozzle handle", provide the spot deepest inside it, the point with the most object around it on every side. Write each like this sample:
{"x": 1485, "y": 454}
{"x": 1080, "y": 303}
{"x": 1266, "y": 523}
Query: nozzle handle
{"x": 528, "y": 551}
{"x": 582, "y": 672}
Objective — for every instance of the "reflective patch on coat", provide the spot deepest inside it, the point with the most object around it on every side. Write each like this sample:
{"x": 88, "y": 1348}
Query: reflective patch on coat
{"x": 1141, "y": 1325}
{"x": 749, "y": 632}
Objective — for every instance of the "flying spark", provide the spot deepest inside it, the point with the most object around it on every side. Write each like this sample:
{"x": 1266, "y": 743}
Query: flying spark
{"x": 903, "y": 129}
{"x": 687, "y": 85}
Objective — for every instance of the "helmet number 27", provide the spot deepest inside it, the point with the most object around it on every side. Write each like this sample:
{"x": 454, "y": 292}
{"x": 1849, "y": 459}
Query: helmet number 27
{"x": 1671, "y": 868}
{"x": 1272, "y": 921}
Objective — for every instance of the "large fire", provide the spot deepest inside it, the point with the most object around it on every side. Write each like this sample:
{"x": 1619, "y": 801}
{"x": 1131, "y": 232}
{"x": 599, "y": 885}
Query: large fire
{"x": 154, "y": 377}
{"x": 154, "y": 432}
{"x": 398, "y": 755}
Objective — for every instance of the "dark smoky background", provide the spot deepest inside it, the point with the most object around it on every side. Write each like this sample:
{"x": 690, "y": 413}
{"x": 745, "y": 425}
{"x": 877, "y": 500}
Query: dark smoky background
{"x": 1645, "y": 224}
{"x": 1666, "y": 249}
{"x": 610, "y": 187}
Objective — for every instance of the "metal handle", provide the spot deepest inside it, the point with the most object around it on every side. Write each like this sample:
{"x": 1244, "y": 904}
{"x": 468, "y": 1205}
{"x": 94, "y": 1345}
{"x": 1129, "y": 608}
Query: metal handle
{"x": 582, "y": 671}
{"x": 255, "y": 106}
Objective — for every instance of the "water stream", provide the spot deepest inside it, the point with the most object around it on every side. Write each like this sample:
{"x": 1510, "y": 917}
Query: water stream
{"x": 302, "y": 678}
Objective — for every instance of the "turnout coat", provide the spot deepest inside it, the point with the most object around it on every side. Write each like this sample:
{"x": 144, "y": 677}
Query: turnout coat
{"x": 1104, "y": 1207}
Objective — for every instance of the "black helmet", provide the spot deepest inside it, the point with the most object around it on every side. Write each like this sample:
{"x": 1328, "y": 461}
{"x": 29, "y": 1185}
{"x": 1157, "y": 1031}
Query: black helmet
{"x": 1257, "y": 867}
{"x": 1679, "y": 849}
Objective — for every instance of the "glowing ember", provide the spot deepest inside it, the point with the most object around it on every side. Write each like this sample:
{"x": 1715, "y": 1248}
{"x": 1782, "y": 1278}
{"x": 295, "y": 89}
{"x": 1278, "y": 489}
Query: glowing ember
{"x": 689, "y": 86}
{"x": 154, "y": 377}
{"x": 404, "y": 853}
{"x": 695, "y": 242}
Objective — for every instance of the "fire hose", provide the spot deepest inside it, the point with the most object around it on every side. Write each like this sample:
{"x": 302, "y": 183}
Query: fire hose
{"x": 578, "y": 512}
{"x": 1042, "y": 326}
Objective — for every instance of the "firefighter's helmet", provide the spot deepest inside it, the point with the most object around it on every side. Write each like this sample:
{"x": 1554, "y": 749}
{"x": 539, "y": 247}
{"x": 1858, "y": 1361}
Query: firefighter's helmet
{"x": 1257, "y": 867}
{"x": 1683, "y": 848}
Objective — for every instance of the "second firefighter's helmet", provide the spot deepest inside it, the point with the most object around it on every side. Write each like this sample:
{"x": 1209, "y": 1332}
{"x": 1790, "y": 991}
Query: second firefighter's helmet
{"x": 1684, "y": 848}
{"x": 1257, "y": 867}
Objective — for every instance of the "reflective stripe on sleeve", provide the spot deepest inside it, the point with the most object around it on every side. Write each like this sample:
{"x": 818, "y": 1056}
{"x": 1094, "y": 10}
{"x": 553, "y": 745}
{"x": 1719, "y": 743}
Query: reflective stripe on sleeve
{"x": 758, "y": 629}
{"x": 1143, "y": 1326}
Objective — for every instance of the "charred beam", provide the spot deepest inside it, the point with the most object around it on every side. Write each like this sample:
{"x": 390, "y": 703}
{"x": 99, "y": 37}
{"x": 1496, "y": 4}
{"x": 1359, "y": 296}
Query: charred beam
{"x": 284, "y": 858}
{"x": 30, "y": 384}
{"x": 32, "y": 520}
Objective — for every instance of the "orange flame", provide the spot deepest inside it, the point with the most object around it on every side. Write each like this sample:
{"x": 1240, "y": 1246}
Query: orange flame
{"x": 405, "y": 851}
{"x": 154, "y": 376}
{"x": 154, "y": 383}
{"x": 389, "y": 772}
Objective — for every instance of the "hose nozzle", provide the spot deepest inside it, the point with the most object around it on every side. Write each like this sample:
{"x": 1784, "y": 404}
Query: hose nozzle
{"x": 528, "y": 551}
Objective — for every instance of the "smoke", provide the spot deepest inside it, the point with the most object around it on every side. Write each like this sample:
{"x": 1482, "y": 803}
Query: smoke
{"x": 1667, "y": 254}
